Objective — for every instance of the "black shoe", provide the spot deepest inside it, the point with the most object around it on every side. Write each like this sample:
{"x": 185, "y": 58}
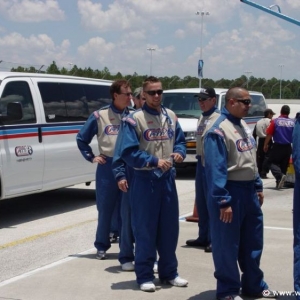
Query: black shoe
{"x": 208, "y": 249}
{"x": 195, "y": 243}
{"x": 264, "y": 294}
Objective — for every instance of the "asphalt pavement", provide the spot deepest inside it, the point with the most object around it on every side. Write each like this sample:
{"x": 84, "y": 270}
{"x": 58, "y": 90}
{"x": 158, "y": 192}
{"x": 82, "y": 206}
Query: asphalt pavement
{"x": 82, "y": 277}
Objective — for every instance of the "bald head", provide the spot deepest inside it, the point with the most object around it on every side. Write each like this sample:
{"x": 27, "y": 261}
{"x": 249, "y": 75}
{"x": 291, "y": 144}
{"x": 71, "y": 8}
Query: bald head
{"x": 235, "y": 92}
{"x": 238, "y": 102}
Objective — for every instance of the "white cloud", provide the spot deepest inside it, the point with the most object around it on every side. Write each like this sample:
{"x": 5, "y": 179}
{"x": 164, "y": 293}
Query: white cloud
{"x": 31, "y": 10}
{"x": 37, "y": 49}
{"x": 117, "y": 17}
{"x": 180, "y": 33}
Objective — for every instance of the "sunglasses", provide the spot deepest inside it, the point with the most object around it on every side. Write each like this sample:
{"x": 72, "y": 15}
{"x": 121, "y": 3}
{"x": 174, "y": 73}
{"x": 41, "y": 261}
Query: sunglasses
{"x": 127, "y": 94}
{"x": 153, "y": 93}
{"x": 244, "y": 101}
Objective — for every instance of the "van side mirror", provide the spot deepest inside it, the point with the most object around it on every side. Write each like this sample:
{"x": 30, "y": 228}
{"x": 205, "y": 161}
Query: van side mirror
{"x": 14, "y": 111}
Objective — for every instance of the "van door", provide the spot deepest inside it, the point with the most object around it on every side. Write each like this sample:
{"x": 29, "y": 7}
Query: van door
{"x": 22, "y": 155}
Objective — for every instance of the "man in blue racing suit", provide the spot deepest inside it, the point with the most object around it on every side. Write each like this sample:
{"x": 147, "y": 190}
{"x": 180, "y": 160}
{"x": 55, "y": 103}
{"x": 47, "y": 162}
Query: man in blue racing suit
{"x": 105, "y": 124}
{"x": 296, "y": 211}
{"x": 235, "y": 196}
{"x": 148, "y": 139}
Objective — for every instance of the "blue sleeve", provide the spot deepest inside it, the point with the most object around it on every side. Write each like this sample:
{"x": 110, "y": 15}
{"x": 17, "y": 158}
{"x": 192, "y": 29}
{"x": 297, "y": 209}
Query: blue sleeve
{"x": 85, "y": 136}
{"x": 296, "y": 146}
{"x": 180, "y": 143}
{"x": 129, "y": 149}
{"x": 118, "y": 165}
{"x": 216, "y": 168}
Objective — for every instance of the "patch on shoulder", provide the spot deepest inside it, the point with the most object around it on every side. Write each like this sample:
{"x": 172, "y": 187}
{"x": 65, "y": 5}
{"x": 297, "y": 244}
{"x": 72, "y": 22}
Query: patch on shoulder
{"x": 130, "y": 120}
{"x": 97, "y": 114}
{"x": 219, "y": 132}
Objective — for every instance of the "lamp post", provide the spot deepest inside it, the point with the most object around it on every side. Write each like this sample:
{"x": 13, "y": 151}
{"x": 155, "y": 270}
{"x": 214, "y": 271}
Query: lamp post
{"x": 202, "y": 14}
{"x": 280, "y": 66}
{"x": 248, "y": 72}
{"x": 151, "y": 49}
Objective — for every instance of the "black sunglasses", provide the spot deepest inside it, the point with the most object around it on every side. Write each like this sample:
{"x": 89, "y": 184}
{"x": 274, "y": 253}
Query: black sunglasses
{"x": 244, "y": 101}
{"x": 153, "y": 93}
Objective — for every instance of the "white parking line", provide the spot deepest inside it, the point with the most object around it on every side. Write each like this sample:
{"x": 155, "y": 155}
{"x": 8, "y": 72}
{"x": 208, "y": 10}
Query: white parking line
{"x": 57, "y": 263}
{"x": 64, "y": 260}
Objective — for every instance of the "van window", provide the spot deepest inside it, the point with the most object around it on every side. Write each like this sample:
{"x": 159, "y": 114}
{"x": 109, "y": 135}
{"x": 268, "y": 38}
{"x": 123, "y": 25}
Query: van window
{"x": 186, "y": 105}
{"x": 183, "y": 104}
{"x": 71, "y": 101}
{"x": 257, "y": 108}
{"x": 16, "y": 92}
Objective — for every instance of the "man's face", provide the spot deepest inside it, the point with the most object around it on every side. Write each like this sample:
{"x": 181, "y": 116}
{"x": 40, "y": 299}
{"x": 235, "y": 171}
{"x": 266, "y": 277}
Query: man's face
{"x": 123, "y": 98}
{"x": 153, "y": 95}
{"x": 207, "y": 104}
{"x": 240, "y": 106}
{"x": 139, "y": 100}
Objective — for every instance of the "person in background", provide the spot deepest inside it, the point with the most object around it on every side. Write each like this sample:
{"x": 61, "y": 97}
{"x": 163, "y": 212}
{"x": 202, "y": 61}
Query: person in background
{"x": 281, "y": 130}
{"x": 260, "y": 132}
{"x": 104, "y": 123}
{"x": 235, "y": 196}
{"x": 296, "y": 205}
{"x": 150, "y": 138}
{"x": 138, "y": 98}
{"x": 207, "y": 101}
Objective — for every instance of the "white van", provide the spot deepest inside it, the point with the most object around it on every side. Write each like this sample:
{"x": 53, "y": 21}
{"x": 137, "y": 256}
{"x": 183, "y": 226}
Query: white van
{"x": 184, "y": 103}
{"x": 40, "y": 115}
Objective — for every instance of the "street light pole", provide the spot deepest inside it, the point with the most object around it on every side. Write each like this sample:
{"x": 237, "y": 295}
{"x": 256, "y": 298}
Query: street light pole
{"x": 248, "y": 72}
{"x": 280, "y": 66}
{"x": 202, "y": 13}
{"x": 151, "y": 49}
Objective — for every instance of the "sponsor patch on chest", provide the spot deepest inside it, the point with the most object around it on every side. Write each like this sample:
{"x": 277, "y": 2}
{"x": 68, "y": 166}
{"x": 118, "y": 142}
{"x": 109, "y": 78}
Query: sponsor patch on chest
{"x": 245, "y": 144}
{"x": 112, "y": 129}
{"x": 158, "y": 134}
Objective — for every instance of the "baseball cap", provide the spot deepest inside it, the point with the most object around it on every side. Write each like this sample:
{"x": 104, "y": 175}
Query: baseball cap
{"x": 206, "y": 93}
{"x": 137, "y": 92}
{"x": 269, "y": 111}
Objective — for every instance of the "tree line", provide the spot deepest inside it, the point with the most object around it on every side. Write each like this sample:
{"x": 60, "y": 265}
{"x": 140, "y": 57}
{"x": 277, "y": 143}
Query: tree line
{"x": 271, "y": 88}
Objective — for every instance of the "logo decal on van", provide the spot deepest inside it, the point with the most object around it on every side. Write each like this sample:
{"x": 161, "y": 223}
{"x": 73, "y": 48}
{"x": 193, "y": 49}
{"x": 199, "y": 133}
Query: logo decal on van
{"x": 23, "y": 150}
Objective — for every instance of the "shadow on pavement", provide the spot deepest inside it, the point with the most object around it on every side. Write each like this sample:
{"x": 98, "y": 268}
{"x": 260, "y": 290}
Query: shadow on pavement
{"x": 19, "y": 210}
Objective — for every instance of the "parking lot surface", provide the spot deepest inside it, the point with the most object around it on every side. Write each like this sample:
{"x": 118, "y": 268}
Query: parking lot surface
{"x": 80, "y": 276}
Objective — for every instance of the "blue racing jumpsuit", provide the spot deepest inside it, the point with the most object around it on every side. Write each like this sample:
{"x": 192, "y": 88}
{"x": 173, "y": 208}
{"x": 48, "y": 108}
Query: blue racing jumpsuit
{"x": 122, "y": 171}
{"x": 148, "y": 135}
{"x": 232, "y": 180}
{"x": 205, "y": 122}
{"x": 105, "y": 124}
{"x": 296, "y": 211}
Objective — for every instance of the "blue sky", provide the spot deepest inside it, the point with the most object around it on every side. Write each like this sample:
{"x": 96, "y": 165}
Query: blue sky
{"x": 237, "y": 39}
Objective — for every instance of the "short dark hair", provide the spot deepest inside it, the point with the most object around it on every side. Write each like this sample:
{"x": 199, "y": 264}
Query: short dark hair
{"x": 150, "y": 79}
{"x": 285, "y": 110}
{"x": 116, "y": 87}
